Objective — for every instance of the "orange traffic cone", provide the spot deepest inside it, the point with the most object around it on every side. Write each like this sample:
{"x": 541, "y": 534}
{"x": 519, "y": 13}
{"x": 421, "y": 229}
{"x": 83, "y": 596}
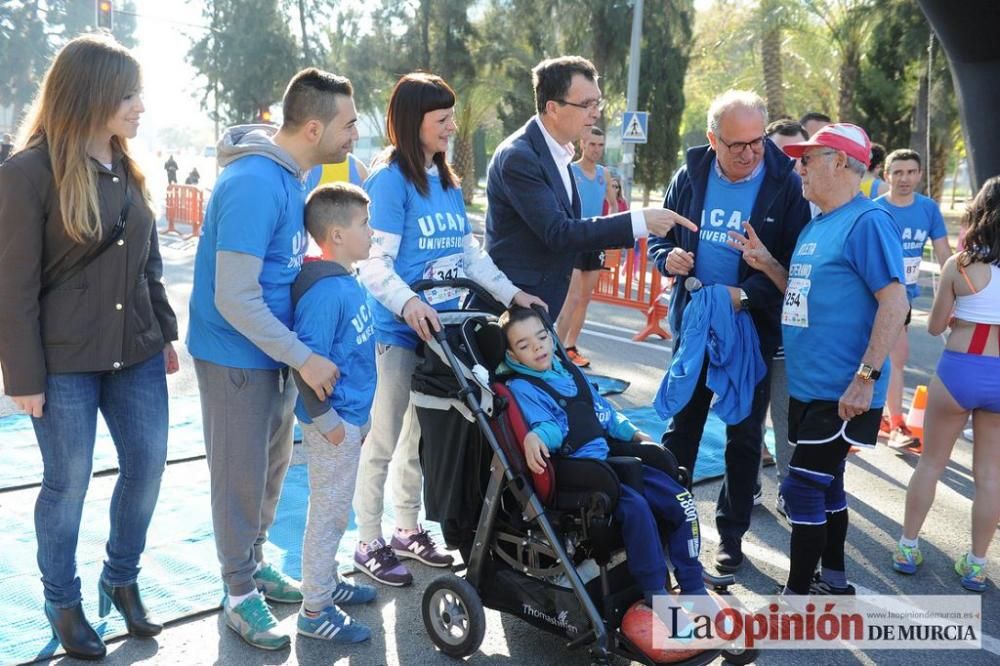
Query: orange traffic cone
{"x": 915, "y": 417}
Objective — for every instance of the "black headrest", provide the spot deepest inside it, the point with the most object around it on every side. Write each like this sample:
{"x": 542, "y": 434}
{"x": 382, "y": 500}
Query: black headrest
{"x": 487, "y": 342}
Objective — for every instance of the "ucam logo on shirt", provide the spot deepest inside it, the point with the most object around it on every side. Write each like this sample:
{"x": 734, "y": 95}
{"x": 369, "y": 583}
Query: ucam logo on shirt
{"x": 364, "y": 324}
{"x": 300, "y": 242}
{"x": 431, "y": 225}
{"x": 719, "y": 222}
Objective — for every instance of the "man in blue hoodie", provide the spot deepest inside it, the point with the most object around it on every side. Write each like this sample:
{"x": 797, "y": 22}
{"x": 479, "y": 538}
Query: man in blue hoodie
{"x": 252, "y": 247}
{"x": 741, "y": 176}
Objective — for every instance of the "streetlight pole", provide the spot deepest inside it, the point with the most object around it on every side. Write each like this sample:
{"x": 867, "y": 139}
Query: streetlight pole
{"x": 632, "y": 103}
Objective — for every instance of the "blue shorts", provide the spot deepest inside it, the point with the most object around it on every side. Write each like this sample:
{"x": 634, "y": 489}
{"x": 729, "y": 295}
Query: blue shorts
{"x": 971, "y": 379}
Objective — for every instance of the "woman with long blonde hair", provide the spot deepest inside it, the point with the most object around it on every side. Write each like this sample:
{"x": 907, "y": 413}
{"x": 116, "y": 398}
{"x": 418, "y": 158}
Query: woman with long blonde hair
{"x": 85, "y": 326}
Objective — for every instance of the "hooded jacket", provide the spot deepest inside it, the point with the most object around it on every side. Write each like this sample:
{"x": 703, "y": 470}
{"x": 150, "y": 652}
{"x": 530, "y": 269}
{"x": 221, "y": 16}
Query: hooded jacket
{"x": 778, "y": 216}
{"x": 735, "y": 366}
{"x": 333, "y": 319}
{"x": 252, "y": 247}
{"x": 548, "y": 420}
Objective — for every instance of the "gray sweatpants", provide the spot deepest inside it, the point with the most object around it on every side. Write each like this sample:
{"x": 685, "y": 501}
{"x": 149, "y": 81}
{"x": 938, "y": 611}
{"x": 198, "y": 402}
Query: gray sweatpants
{"x": 332, "y": 473}
{"x": 248, "y": 420}
{"x": 394, "y": 438}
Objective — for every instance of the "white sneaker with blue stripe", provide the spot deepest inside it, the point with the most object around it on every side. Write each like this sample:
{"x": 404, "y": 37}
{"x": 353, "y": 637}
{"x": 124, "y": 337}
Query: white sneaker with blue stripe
{"x": 334, "y": 625}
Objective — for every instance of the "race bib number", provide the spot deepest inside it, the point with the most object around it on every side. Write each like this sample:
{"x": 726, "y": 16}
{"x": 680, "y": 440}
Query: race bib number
{"x": 796, "y": 309}
{"x": 445, "y": 268}
{"x": 911, "y": 269}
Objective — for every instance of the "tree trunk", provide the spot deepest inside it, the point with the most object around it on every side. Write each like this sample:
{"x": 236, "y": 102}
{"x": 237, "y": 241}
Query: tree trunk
{"x": 938, "y": 166}
{"x": 464, "y": 163}
{"x": 306, "y": 54}
{"x": 425, "y": 35}
{"x": 849, "y": 70}
{"x": 770, "y": 56}
{"x": 918, "y": 124}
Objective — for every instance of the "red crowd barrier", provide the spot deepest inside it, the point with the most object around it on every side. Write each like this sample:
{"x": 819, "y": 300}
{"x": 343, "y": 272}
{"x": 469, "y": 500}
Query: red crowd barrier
{"x": 185, "y": 205}
{"x": 629, "y": 284}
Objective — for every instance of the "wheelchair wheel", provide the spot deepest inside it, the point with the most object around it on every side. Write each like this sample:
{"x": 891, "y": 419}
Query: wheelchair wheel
{"x": 454, "y": 616}
{"x": 739, "y": 657}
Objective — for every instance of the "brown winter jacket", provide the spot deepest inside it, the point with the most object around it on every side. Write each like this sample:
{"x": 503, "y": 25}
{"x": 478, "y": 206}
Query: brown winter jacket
{"x": 112, "y": 314}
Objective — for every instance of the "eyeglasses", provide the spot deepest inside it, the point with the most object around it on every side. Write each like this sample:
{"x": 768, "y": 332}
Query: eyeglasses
{"x": 737, "y": 147}
{"x": 592, "y": 105}
{"x": 805, "y": 159}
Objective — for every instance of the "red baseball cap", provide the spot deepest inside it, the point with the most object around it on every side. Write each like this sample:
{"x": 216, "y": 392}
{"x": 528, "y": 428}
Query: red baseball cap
{"x": 840, "y": 136}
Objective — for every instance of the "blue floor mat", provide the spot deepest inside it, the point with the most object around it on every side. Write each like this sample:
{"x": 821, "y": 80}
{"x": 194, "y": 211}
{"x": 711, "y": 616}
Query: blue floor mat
{"x": 179, "y": 568}
{"x": 711, "y": 462}
{"x": 23, "y": 463}
{"x": 607, "y": 385}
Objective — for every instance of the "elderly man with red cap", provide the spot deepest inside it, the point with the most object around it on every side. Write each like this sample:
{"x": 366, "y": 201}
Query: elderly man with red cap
{"x": 845, "y": 301}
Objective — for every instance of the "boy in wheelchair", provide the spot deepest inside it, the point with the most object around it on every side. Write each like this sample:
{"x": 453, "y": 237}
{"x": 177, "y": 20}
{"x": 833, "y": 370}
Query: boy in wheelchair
{"x": 567, "y": 417}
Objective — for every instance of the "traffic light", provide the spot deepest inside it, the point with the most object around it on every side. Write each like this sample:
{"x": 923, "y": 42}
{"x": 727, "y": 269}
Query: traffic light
{"x": 104, "y": 14}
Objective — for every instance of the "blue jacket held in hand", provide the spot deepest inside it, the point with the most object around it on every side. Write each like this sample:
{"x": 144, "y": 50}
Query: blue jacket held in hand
{"x": 735, "y": 365}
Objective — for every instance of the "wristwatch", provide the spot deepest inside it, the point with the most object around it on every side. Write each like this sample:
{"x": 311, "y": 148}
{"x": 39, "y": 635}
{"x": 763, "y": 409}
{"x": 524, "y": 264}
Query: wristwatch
{"x": 744, "y": 300}
{"x": 868, "y": 373}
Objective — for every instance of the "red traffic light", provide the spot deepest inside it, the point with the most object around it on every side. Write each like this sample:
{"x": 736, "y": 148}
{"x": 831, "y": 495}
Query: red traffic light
{"x": 105, "y": 13}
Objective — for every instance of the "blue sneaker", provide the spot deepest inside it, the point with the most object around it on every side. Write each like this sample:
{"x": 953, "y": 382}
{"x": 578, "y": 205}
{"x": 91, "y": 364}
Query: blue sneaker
{"x": 350, "y": 594}
{"x": 333, "y": 625}
{"x": 973, "y": 575}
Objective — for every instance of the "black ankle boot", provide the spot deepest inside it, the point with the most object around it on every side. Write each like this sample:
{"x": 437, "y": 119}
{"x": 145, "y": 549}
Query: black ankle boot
{"x": 128, "y": 602}
{"x": 71, "y": 629}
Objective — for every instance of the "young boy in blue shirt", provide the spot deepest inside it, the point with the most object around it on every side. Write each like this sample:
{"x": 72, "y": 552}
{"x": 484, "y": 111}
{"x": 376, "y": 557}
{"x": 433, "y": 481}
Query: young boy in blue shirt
{"x": 333, "y": 319}
{"x": 568, "y": 417}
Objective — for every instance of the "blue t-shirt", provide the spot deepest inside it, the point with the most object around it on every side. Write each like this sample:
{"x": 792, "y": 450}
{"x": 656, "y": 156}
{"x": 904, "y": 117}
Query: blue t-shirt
{"x": 727, "y": 207}
{"x": 593, "y": 193}
{"x": 256, "y": 208}
{"x": 841, "y": 259}
{"x": 432, "y": 233}
{"x": 335, "y": 321}
{"x": 917, "y": 222}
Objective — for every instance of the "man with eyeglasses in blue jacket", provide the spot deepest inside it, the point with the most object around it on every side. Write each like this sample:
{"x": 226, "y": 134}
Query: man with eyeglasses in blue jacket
{"x": 740, "y": 176}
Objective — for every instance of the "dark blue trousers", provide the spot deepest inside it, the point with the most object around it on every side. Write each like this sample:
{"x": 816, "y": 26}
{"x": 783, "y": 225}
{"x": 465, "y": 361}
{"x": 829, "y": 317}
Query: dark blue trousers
{"x": 743, "y": 451}
{"x": 663, "y": 506}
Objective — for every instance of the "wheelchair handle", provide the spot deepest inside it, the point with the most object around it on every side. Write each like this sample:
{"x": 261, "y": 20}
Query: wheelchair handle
{"x": 461, "y": 283}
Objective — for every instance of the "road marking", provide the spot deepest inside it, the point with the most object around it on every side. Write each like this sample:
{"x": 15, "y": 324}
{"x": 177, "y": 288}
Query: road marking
{"x": 612, "y": 327}
{"x": 616, "y": 338}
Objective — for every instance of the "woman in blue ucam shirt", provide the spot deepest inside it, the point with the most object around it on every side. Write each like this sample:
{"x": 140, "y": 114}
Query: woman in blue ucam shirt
{"x": 420, "y": 231}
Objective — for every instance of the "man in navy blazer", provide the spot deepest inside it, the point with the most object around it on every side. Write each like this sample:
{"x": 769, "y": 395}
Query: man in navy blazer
{"x": 739, "y": 177}
{"x": 533, "y": 225}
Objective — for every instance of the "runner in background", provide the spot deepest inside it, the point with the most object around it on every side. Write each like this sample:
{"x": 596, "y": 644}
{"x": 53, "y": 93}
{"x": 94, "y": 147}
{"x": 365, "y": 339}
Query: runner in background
{"x": 594, "y": 185}
{"x": 352, "y": 170}
{"x": 919, "y": 219}
{"x": 871, "y": 185}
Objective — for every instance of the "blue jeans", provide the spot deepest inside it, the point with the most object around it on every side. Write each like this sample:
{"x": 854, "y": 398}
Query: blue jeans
{"x": 134, "y": 404}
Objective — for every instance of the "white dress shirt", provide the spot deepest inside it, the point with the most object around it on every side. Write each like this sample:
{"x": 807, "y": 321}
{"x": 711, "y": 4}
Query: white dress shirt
{"x": 563, "y": 156}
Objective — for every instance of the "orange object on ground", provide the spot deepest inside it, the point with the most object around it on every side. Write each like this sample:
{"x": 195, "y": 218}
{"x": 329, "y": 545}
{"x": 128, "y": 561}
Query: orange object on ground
{"x": 628, "y": 283}
{"x": 915, "y": 417}
{"x": 185, "y": 205}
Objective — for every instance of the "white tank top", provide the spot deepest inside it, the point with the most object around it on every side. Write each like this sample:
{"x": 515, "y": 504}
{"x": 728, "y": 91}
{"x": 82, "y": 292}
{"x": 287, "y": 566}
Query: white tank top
{"x": 982, "y": 307}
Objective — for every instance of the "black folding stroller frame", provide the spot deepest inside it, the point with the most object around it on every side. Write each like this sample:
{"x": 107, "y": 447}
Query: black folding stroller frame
{"x": 499, "y": 560}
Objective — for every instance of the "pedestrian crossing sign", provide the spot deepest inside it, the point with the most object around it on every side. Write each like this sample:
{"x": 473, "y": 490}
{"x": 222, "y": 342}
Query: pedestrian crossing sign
{"x": 634, "y": 127}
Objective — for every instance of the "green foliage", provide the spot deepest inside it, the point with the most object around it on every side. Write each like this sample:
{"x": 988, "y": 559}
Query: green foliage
{"x": 248, "y": 52}
{"x": 31, "y": 32}
{"x": 666, "y": 46}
